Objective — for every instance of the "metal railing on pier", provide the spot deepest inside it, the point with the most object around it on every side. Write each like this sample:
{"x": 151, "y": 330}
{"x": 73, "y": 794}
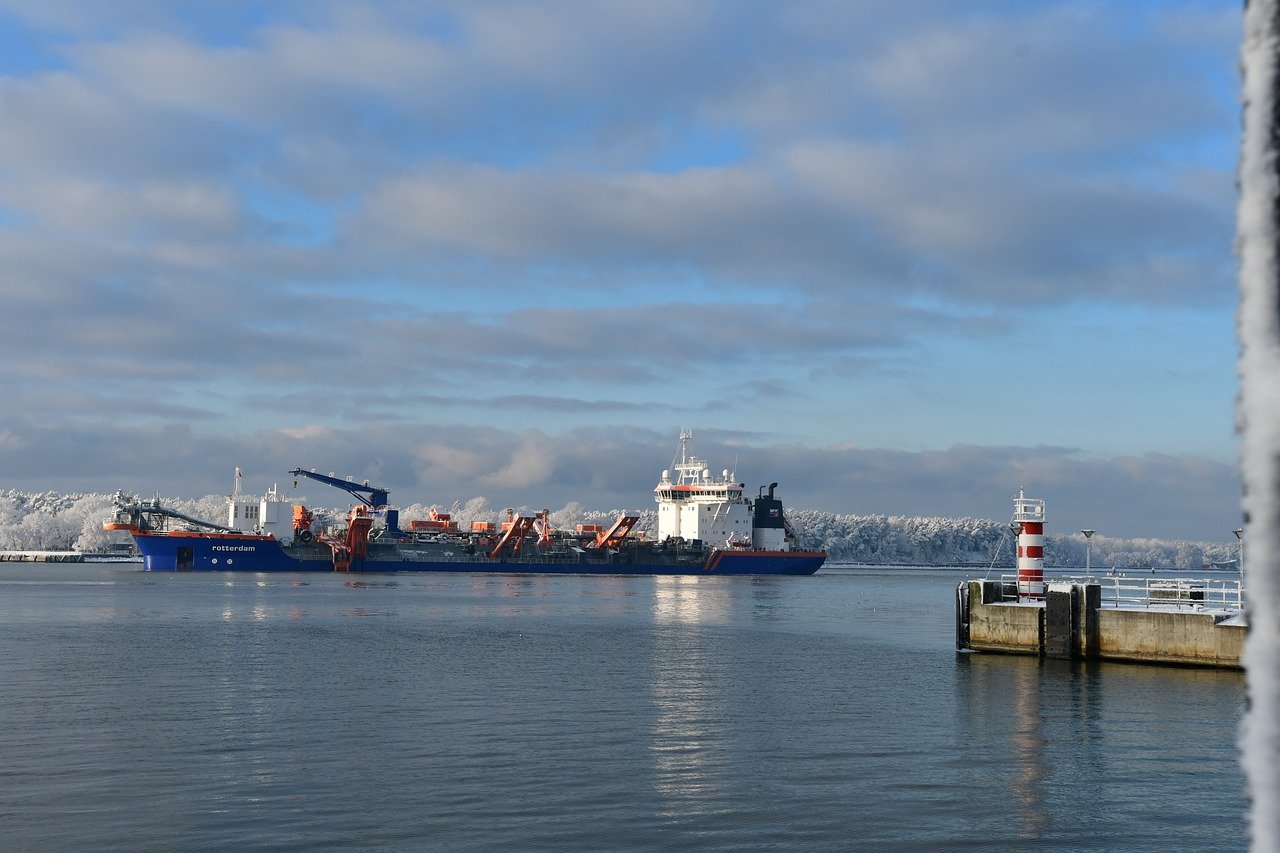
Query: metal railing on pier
{"x": 1137, "y": 591}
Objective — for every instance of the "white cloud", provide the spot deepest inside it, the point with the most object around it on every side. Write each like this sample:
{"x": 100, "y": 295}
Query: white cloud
{"x": 148, "y": 211}
{"x": 1151, "y": 495}
{"x": 610, "y": 214}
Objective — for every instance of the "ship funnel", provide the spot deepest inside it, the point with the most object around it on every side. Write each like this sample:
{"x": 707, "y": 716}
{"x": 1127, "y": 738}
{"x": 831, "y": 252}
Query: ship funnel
{"x": 772, "y": 486}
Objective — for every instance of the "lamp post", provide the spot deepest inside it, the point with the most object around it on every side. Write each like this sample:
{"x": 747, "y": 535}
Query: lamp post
{"x": 1088, "y": 547}
{"x": 1239, "y": 532}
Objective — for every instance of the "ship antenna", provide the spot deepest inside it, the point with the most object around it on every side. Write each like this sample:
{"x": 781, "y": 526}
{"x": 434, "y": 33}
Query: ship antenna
{"x": 679, "y": 457}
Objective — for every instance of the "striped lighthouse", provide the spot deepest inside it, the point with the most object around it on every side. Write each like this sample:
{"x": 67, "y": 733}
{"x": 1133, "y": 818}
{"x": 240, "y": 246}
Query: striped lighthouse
{"x": 1028, "y": 518}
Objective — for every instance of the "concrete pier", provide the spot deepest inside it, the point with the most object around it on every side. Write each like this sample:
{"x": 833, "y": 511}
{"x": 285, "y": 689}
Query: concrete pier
{"x": 41, "y": 557}
{"x": 1071, "y": 623}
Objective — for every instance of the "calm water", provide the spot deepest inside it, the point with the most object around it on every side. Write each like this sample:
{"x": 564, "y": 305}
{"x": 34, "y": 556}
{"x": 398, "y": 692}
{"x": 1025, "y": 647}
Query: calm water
{"x": 470, "y": 712}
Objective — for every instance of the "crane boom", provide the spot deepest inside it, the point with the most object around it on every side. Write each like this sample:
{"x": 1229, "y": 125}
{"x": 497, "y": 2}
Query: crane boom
{"x": 374, "y": 497}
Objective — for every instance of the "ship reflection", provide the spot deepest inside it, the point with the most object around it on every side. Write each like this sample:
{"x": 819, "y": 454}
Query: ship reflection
{"x": 693, "y": 600}
{"x": 688, "y": 740}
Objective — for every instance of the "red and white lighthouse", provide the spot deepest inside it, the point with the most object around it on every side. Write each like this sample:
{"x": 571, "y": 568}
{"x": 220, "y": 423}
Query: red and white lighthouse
{"x": 1028, "y": 518}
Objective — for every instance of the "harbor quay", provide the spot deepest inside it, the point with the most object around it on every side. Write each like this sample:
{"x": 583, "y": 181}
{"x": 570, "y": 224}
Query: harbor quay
{"x": 41, "y": 557}
{"x": 1149, "y": 620}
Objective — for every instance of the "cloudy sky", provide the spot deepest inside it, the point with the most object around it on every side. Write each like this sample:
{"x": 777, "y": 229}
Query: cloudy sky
{"x": 899, "y": 257}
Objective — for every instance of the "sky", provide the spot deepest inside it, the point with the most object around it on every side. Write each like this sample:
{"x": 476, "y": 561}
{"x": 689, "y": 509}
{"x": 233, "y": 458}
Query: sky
{"x": 900, "y": 258}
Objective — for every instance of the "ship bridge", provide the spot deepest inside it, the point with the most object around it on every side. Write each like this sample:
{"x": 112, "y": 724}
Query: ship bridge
{"x": 696, "y": 505}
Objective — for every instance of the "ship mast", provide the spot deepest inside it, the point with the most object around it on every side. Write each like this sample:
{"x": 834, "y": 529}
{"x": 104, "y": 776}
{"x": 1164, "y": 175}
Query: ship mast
{"x": 689, "y": 469}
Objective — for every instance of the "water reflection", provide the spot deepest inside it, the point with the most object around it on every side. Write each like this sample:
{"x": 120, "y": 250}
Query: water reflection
{"x": 1002, "y": 729}
{"x": 693, "y": 600}
{"x": 688, "y": 730}
{"x": 1029, "y": 742}
{"x": 1050, "y": 737}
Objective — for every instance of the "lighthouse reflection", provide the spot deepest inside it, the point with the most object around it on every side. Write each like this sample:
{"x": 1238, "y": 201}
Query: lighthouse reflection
{"x": 1028, "y": 742}
{"x": 688, "y": 742}
{"x": 1003, "y": 726}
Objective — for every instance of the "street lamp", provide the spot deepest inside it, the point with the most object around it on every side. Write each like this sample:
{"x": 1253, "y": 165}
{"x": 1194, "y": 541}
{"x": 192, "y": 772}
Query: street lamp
{"x": 1239, "y": 532}
{"x": 1088, "y": 546}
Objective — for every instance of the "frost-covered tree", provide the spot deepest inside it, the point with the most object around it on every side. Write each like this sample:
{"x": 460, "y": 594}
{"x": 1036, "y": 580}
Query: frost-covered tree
{"x": 476, "y": 509}
{"x": 568, "y": 515}
{"x": 52, "y": 521}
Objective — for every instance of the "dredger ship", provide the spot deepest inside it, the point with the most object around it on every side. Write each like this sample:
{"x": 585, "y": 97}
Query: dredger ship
{"x": 706, "y": 525}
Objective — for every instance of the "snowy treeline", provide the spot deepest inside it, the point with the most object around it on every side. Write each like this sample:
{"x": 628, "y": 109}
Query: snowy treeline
{"x": 54, "y": 522}
{"x": 948, "y": 541}
{"x": 49, "y": 521}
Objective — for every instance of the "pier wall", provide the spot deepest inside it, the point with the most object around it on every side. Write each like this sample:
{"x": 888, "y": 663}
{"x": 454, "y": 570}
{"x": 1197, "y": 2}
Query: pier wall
{"x": 1070, "y": 623}
{"x": 1171, "y": 637}
{"x": 997, "y": 626}
{"x": 41, "y": 557}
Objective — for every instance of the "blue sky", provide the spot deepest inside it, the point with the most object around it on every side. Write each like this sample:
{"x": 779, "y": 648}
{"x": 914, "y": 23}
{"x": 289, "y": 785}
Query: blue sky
{"x": 902, "y": 258}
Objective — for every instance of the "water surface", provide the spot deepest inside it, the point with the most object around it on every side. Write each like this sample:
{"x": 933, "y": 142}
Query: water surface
{"x": 208, "y": 711}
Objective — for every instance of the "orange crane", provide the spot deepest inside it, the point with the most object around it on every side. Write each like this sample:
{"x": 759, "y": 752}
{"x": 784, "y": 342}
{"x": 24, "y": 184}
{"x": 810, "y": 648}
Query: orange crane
{"x": 513, "y": 534}
{"x": 613, "y": 537}
{"x": 353, "y": 546}
{"x": 542, "y": 527}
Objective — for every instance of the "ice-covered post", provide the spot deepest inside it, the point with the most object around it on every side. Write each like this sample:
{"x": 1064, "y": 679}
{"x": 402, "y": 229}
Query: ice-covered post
{"x": 1257, "y": 232}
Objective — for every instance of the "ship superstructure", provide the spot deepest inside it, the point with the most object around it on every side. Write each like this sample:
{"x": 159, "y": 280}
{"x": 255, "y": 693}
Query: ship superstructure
{"x": 695, "y": 505}
{"x": 705, "y": 525}
{"x": 254, "y": 514}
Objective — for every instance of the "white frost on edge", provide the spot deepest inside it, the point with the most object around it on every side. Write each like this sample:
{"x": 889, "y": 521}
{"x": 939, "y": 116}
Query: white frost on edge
{"x": 1259, "y": 418}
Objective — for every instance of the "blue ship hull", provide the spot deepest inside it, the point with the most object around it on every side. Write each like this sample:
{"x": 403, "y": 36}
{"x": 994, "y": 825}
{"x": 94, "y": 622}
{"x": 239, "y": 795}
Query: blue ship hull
{"x": 249, "y": 553}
